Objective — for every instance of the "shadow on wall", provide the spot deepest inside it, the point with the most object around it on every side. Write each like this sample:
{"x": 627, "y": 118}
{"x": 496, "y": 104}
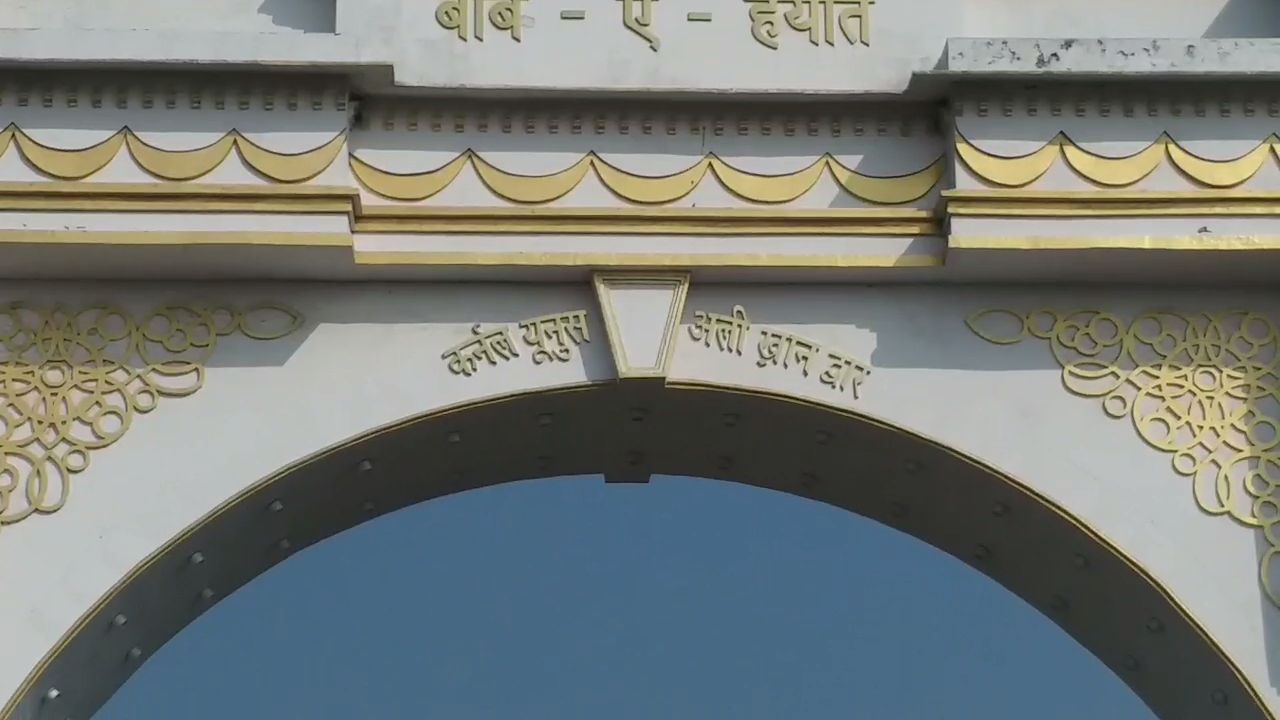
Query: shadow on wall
{"x": 308, "y": 16}
{"x": 1270, "y": 624}
{"x": 1246, "y": 19}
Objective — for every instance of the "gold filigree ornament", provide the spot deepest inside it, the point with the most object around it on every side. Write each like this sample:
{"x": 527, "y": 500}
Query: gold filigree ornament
{"x": 1204, "y": 387}
{"x": 72, "y": 381}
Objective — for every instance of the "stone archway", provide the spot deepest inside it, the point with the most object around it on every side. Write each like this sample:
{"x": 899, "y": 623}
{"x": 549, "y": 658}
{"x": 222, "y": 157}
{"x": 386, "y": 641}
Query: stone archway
{"x": 626, "y": 431}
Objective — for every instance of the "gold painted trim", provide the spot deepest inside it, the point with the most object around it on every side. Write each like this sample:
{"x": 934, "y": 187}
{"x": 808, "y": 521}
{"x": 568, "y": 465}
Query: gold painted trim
{"x": 641, "y": 260}
{"x": 604, "y": 282}
{"x": 1108, "y": 196}
{"x": 877, "y": 214}
{"x": 1022, "y": 170}
{"x": 1044, "y": 501}
{"x": 38, "y": 203}
{"x": 60, "y": 196}
{"x": 649, "y": 189}
{"x": 56, "y": 196}
{"x": 187, "y": 197}
{"x": 180, "y": 165}
{"x": 153, "y": 190}
{"x": 179, "y": 238}
{"x": 64, "y": 164}
{"x": 1066, "y": 210}
{"x": 1105, "y": 543}
{"x": 1117, "y": 242}
{"x": 173, "y": 165}
{"x": 1185, "y": 208}
{"x": 648, "y": 221}
{"x": 1094, "y": 203}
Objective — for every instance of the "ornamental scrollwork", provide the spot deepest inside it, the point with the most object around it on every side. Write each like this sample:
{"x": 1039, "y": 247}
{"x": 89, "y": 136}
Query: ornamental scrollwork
{"x": 73, "y": 380}
{"x": 1203, "y": 387}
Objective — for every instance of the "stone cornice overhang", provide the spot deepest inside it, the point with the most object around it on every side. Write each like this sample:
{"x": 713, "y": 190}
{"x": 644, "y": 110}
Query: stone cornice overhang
{"x": 370, "y": 69}
{"x": 141, "y": 51}
{"x": 1048, "y": 61}
{"x": 981, "y": 231}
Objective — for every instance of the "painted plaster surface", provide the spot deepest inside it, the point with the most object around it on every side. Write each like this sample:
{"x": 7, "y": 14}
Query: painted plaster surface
{"x": 1193, "y": 56}
{"x": 367, "y": 356}
{"x": 406, "y": 35}
{"x": 247, "y": 16}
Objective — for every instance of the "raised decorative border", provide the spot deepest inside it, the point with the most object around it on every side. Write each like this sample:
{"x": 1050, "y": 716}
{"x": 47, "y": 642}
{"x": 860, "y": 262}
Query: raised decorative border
{"x": 70, "y": 196}
{"x": 649, "y": 221}
{"x": 87, "y": 628}
{"x": 678, "y": 283}
{"x": 1003, "y": 202}
{"x": 1179, "y": 243}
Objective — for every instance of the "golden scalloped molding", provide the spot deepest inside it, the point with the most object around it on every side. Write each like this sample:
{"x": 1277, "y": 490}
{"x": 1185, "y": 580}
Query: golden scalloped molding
{"x": 1022, "y": 170}
{"x": 1203, "y": 387}
{"x": 649, "y": 189}
{"x": 72, "y": 381}
{"x": 174, "y": 165}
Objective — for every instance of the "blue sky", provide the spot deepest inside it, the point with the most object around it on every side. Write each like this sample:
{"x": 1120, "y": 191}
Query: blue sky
{"x": 569, "y": 598}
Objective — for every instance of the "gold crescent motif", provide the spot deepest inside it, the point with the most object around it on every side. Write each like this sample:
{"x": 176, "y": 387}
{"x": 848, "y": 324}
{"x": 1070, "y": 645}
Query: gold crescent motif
{"x": 68, "y": 164}
{"x": 289, "y": 167}
{"x": 531, "y": 189}
{"x": 768, "y": 188}
{"x": 1009, "y": 171}
{"x": 185, "y": 165}
{"x": 179, "y": 165}
{"x": 888, "y": 190}
{"x": 407, "y": 186}
{"x": 175, "y": 165}
{"x": 649, "y": 189}
{"x": 1221, "y": 173}
{"x": 1115, "y": 172}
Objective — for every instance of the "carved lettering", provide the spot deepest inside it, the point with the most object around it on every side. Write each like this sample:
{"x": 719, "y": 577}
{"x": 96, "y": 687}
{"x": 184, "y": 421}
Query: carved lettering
{"x": 640, "y": 20}
{"x": 728, "y": 330}
{"x": 777, "y": 348}
{"x": 492, "y": 346}
{"x": 554, "y": 336}
{"x": 844, "y": 372}
{"x": 819, "y": 18}
{"x": 782, "y": 347}
{"x": 467, "y": 17}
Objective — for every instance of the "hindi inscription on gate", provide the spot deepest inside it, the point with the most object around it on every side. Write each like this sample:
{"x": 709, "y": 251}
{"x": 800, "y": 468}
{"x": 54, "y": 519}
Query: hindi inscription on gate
{"x": 726, "y": 332}
{"x": 824, "y": 21}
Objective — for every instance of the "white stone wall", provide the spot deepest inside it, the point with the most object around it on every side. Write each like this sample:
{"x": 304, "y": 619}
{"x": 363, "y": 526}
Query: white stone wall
{"x": 371, "y": 354}
{"x": 242, "y": 16}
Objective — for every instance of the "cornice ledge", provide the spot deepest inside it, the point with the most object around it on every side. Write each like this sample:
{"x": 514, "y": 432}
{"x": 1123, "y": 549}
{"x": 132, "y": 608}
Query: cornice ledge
{"x": 1110, "y": 58}
{"x": 189, "y": 49}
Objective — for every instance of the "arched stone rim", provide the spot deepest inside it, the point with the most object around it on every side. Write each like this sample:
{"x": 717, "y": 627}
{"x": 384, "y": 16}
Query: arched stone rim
{"x": 914, "y": 484}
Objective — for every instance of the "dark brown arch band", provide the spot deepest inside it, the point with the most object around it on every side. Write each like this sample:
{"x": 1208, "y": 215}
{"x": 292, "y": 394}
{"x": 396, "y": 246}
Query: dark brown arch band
{"x": 1037, "y": 550}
